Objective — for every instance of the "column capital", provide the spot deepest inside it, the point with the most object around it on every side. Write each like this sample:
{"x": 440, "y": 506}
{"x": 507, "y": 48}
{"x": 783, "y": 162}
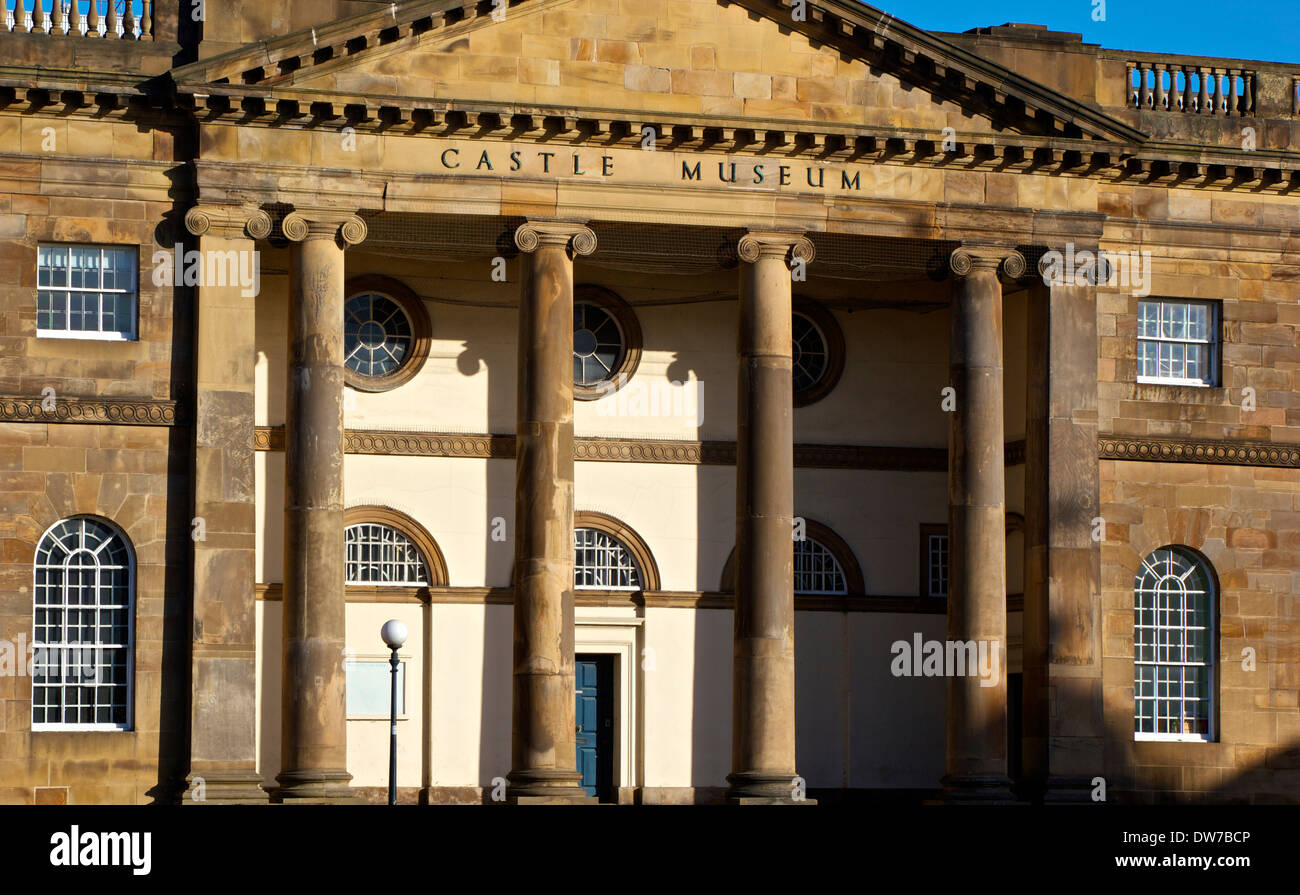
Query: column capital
{"x": 228, "y": 221}
{"x": 577, "y": 238}
{"x": 789, "y": 247}
{"x": 321, "y": 223}
{"x": 1001, "y": 259}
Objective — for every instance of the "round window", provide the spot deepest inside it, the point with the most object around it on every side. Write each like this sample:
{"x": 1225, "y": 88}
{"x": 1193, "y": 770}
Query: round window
{"x": 816, "y": 352}
{"x": 385, "y": 334}
{"x": 606, "y": 342}
{"x": 376, "y": 335}
{"x": 597, "y": 344}
{"x": 808, "y": 353}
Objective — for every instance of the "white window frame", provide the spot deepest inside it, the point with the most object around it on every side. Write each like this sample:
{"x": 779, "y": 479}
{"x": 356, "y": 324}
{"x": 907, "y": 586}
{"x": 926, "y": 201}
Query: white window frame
{"x": 816, "y": 545}
{"x": 613, "y": 542}
{"x": 129, "y": 647}
{"x": 424, "y": 560}
{"x": 403, "y": 676}
{"x": 1212, "y": 341}
{"x": 1210, "y": 697}
{"x": 99, "y": 335}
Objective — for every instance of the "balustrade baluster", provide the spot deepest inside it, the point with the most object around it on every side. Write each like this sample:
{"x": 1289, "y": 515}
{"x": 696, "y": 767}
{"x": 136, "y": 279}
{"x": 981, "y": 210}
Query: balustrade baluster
{"x": 146, "y": 20}
{"x": 110, "y": 29}
{"x": 92, "y": 18}
{"x": 1203, "y": 102}
{"x": 1144, "y": 94}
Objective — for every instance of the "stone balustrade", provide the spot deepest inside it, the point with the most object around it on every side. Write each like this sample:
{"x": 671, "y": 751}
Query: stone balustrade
{"x": 112, "y": 19}
{"x": 1190, "y": 88}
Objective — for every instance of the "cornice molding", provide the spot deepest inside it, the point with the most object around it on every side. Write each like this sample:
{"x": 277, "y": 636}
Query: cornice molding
{"x": 111, "y": 411}
{"x": 633, "y": 450}
{"x": 1186, "y": 450}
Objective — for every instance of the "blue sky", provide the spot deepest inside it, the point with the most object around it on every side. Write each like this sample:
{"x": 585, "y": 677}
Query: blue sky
{"x": 1266, "y": 30}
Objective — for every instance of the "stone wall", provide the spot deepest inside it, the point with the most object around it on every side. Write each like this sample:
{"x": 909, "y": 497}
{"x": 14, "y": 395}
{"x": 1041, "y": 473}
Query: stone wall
{"x": 1246, "y": 522}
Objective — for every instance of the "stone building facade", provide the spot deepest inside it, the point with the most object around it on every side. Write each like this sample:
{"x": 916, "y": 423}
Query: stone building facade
{"x": 678, "y": 373}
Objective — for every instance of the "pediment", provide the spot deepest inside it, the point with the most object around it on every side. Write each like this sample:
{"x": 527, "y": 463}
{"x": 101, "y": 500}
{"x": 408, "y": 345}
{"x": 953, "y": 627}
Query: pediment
{"x": 840, "y": 63}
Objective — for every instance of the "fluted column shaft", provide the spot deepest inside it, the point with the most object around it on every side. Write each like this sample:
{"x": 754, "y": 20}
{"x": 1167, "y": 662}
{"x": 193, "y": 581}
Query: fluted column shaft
{"x": 977, "y": 582}
{"x": 313, "y": 709}
{"x": 543, "y": 740}
{"x": 763, "y": 718}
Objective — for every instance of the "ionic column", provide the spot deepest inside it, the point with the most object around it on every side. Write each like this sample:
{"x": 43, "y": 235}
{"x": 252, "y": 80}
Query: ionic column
{"x": 762, "y": 712}
{"x": 313, "y": 745}
{"x": 223, "y": 649}
{"x": 977, "y": 544}
{"x": 543, "y": 742}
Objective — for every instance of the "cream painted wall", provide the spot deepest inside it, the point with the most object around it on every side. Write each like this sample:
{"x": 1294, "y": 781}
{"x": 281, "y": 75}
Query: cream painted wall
{"x": 367, "y": 739}
{"x": 896, "y": 362}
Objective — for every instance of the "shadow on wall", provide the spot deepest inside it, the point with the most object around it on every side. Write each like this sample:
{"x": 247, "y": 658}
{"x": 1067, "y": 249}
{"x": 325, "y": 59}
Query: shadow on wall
{"x": 495, "y": 685}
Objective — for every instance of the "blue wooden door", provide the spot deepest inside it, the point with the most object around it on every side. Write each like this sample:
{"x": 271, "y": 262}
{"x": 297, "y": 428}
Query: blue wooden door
{"x": 593, "y": 683}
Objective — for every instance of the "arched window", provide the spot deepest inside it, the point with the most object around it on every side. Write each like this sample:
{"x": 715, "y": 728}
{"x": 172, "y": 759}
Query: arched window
{"x": 83, "y": 608}
{"x": 1173, "y": 647}
{"x": 380, "y": 554}
{"x": 608, "y": 555}
{"x": 387, "y": 548}
{"x": 603, "y": 562}
{"x": 816, "y": 570}
{"x": 824, "y": 564}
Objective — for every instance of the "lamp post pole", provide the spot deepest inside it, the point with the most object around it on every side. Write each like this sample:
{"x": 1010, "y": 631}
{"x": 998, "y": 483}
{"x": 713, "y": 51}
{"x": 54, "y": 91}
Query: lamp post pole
{"x": 394, "y": 634}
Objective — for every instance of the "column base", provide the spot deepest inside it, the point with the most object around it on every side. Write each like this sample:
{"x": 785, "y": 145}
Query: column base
{"x": 1068, "y": 790}
{"x": 546, "y": 786}
{"x": 977, "y": 789}
{"x": 758, "y": 788}
{"x": 224, "y": 788}
{"x": 316, "y": 787}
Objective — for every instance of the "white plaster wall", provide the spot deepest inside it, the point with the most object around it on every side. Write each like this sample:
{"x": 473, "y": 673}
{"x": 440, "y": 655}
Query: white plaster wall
{"x": 688, "y": 697}
{"x": 368, "y": 739}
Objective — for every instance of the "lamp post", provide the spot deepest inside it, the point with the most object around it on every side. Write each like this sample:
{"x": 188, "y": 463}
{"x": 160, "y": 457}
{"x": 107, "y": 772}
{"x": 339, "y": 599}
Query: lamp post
{"x": 394, "y": 634}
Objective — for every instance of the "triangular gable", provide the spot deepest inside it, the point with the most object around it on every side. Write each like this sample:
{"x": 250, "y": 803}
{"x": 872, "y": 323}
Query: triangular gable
{"x": 840, "y": 62}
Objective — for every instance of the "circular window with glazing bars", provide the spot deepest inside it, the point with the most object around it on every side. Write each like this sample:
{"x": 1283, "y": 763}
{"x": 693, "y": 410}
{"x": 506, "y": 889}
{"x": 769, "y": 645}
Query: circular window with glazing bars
{"x": 606, "y": 342}
{"x": 385, "y": 333}
{"x": 816, "y": 352}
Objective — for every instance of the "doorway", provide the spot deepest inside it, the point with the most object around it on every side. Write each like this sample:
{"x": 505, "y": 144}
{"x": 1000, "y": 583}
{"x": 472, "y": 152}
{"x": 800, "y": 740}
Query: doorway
{"x": 594, "y": 685}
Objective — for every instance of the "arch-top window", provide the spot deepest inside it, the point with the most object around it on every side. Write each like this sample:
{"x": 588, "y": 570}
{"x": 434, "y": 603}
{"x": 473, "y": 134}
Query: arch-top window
{"x": 81, "y": 674}
{"x": 816, "y": 570}
{"x": 603, "y": 562}
{"x": 380, "y": 554}
{"x": 1173, "y": 647}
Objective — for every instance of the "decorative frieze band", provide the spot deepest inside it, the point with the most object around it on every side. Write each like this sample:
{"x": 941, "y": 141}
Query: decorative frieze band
{"x": 1182, "y": 450}
{"x": 124, "y": 412}
{"x": 633, "y": 450}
